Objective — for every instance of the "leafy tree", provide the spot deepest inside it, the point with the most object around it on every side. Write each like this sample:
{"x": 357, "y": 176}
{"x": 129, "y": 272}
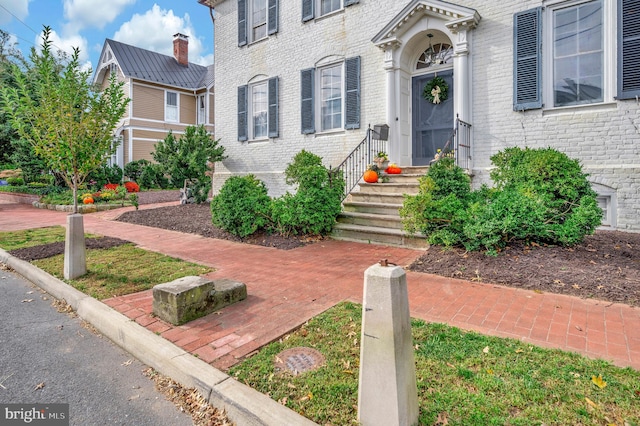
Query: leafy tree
{"x": 68, "y": 121}
{"x": 187, "y": 158}
{"x": 8, "y": 56}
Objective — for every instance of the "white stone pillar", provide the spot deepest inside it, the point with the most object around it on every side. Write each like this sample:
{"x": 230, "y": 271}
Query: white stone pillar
{"x": 75, "y": 263}
{"x": 462, "y": 77}
{"x": 394, "y": 143}
{"x": 387, "y": 390}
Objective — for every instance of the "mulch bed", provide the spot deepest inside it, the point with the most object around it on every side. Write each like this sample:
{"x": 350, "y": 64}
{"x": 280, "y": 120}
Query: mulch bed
{"x": 52, "y": 249}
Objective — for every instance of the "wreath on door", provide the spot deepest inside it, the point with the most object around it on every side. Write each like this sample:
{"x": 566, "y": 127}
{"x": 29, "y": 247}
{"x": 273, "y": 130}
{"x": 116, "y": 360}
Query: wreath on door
{"x": 436, "y": 90}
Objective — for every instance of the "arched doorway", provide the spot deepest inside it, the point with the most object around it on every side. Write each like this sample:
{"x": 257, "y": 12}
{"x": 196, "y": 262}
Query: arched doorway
{"x": 404, "y": 40}
{"x": 432, "y": 106}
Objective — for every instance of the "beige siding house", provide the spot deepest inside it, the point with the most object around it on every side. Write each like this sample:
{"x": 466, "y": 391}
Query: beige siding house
{"x": 168, "y": 93}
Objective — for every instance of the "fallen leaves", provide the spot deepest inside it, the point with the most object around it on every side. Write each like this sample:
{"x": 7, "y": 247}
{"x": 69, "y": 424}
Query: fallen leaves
{"x": 598, "y": 381}
{"x": 39, "y": 386}
{"x": 189, "y": 400}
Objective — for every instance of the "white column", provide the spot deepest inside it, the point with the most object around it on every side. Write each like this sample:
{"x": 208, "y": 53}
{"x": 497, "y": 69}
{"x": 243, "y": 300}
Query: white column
{"x": 462, "y": 77}
{"x": 391, "y": 70}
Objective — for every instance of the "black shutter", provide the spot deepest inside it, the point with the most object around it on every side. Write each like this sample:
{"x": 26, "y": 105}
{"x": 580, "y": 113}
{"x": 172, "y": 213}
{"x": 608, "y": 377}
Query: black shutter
{"x": 628, "y": 49}
{"x": 242, "y": 113}
{"x": 242, "y": 22}
{"x": 350, "y": 2}
{"x": 307, "y": 114}
{"x": 352, "y": 93}
{"x": 527, "y": 61}
{"x": 273, "y": 17}
{"x": 273, "y": 107}
{"x": 307, "y": 10}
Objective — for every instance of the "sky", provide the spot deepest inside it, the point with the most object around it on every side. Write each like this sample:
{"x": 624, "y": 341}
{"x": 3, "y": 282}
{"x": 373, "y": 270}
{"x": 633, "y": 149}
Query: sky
{"x": 87, "y": 23}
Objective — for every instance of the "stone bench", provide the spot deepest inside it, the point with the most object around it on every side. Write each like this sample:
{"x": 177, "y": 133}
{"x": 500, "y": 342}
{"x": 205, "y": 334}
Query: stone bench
{"x": 188, "y": 298}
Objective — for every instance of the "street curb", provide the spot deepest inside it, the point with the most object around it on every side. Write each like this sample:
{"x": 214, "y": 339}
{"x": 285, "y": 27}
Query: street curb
{"x": 244, "y": 405}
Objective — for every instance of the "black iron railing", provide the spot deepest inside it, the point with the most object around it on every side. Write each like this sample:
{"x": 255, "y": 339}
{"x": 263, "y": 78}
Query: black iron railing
{"x": 357, "y": 162}
{"x": 458, "y": 145}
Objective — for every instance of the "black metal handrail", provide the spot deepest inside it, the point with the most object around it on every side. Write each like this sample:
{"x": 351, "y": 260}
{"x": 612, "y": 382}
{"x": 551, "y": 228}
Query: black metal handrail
{"x": 458, "y": 145}
{"x": 359, "y": 160}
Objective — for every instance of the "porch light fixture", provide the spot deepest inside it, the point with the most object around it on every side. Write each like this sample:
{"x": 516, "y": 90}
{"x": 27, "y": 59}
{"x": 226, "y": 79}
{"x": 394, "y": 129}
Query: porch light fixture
{"x": 430, "y": 54}
{"x": 434, "y": 56}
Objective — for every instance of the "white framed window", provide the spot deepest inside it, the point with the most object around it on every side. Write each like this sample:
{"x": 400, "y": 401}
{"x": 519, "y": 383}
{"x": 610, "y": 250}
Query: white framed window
{"x": 259, "y": 111}
{"x": 171, "y": 106}
{"x": 312, "y": 9}
{"x": 257, "y": 19}
{"x": 202, "y": 109}
{"x": 567, "y": 54}
{"x": 328, "y": 6}
{"x": 331, "y": 97}
{"x": 577, "y": 61}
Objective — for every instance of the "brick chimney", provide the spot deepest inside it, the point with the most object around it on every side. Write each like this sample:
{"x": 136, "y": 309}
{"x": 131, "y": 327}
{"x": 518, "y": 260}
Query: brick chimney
{"x": 181, "y": 48}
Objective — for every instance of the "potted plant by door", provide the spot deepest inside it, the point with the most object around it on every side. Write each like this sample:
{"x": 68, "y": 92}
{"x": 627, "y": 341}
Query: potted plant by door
{"x": 381, "y": 159}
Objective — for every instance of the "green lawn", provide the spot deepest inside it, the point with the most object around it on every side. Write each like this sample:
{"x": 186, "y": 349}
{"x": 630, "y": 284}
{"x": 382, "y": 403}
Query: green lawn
{"x": 464, "y": 378}
{"x": 110, "y": 272}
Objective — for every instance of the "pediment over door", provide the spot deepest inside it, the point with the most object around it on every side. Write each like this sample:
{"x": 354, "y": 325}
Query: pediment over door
{"x": 456, "y": 18}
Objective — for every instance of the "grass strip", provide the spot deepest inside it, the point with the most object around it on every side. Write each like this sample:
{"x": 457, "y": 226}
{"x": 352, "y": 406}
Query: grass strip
{"x": 123, "y": 270}
{"x": 463, "y": 378}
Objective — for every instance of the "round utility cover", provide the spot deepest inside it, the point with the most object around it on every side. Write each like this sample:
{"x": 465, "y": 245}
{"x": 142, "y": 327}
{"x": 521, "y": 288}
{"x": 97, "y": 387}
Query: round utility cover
{"x": 298, "y": 360}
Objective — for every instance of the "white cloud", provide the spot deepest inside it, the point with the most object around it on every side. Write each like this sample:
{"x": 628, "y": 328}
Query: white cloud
{"x": 66, "y": 44}
{"x": 92, "y": 13}
{"x": 19, "y": 8}
{"x": 154, "y": 31}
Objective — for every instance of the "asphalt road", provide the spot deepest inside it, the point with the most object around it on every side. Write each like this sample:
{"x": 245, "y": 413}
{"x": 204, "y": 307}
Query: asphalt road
{"x": 49, "y": 357}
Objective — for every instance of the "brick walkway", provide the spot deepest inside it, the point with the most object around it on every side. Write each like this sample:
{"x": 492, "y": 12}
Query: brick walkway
{"x": 287, "y": 288}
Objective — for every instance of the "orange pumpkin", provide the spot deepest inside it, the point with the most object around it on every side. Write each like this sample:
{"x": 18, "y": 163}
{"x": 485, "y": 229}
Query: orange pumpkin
{"x": 370, "y": 176}
{"x": 393, "y": 170}
{"x": 88, "y": 200}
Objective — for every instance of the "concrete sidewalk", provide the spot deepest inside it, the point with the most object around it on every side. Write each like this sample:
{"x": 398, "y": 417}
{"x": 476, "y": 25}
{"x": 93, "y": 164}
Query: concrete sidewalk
{"x": 286, "y": 288}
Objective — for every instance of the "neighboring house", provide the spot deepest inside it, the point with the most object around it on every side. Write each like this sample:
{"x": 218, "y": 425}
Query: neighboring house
{"x": 315, "y": 74}
{"x": 168, "y": 93}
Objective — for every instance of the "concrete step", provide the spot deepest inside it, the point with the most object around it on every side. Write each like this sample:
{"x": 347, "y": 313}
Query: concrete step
{"x": 389, "y": 188}
{"x": 371, "y": 220}
{"x": 376, "y": 197}
{"x": 385, "y": 236}
{"x": 375, "y": 208}
{"x": 403, "y": 178}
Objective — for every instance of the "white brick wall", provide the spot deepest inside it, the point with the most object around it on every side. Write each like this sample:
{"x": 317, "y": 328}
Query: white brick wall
{"x": 606, "y": 139}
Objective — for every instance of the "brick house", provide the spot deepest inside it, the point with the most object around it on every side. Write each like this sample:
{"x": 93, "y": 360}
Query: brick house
{"x": 315, "y": 74}
{"x": 168, "y": 93}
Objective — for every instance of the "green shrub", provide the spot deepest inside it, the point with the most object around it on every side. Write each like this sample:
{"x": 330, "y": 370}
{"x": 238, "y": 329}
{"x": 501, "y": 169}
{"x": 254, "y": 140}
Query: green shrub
{"x": 314, "y": 207}
{"x": 317, "y": 202}
{"x": 15, "y": 181}
{"x": 187, "y": 158}
{"x": 569, "y": 208}
{"x": 133, "y": 170}
{"x": 242, "y": 206}
{"x": 541, "y": 196}
{"x": 153, "y": 177}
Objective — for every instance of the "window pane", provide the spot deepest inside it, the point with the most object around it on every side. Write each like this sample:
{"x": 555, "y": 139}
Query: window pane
{"x": 259, "y": 105}
{"x": 172, "y": 98}
{"x": 331, "y": 98}
{"x": 259, "y": 19}
{"x": 578, "y": 54}
{"x": 328, "y": 6}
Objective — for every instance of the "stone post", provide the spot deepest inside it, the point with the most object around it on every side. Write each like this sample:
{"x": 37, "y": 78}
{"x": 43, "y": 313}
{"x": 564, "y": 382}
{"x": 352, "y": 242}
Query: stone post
{"x": 75, "y": 263}
{"x": 387, "y": 390}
